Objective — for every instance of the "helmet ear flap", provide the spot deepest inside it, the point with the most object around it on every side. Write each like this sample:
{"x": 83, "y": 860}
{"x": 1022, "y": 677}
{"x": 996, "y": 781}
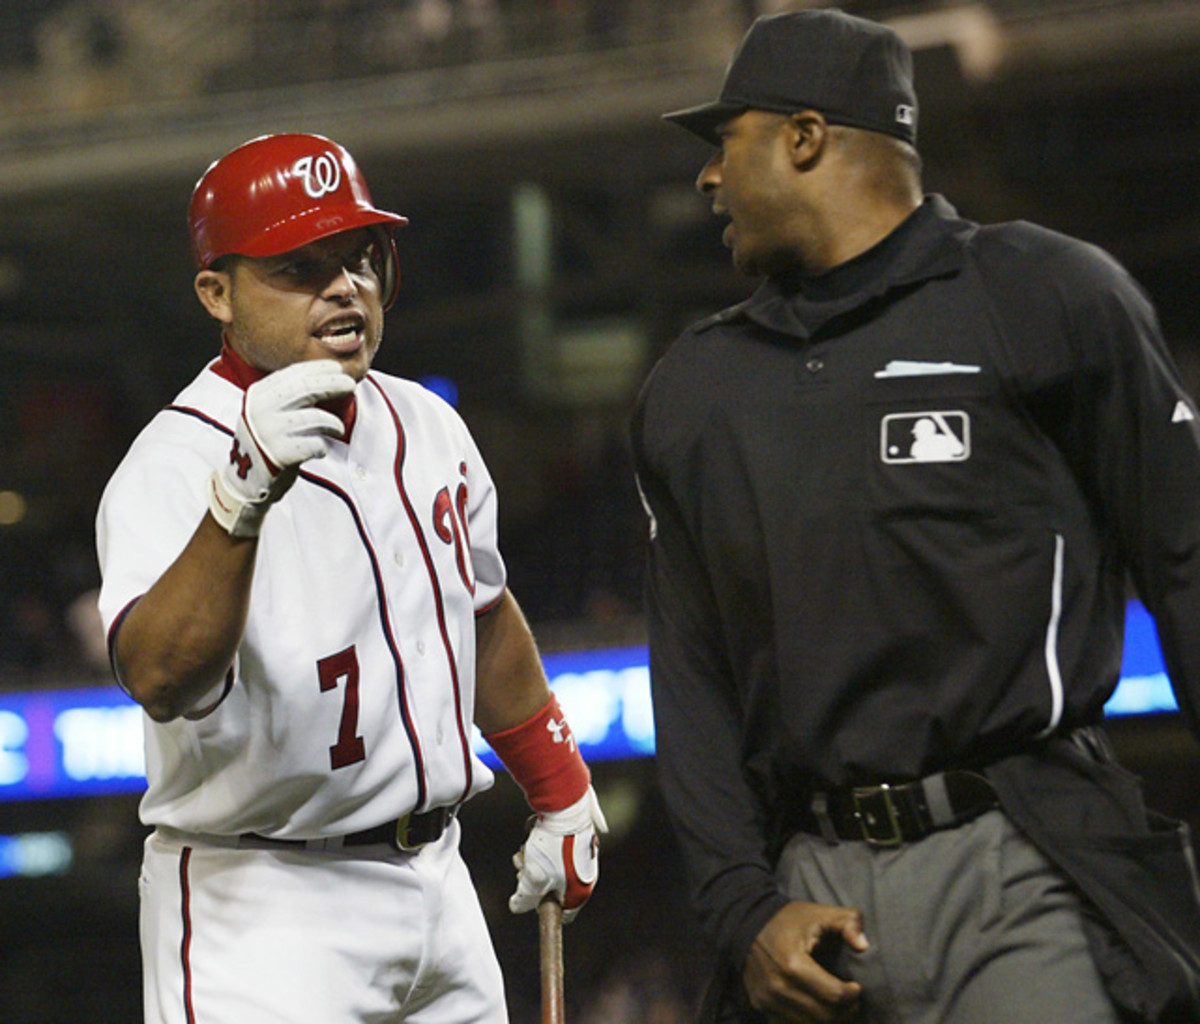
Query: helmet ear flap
{"x": 386, "y": 263}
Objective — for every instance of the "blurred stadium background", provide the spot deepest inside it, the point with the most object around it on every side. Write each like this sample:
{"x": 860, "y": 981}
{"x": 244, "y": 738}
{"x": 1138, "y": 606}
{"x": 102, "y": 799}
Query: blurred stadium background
{"x": 555, "y": 248}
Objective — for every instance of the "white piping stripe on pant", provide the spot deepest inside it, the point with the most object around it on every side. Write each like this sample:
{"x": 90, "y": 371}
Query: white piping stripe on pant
{"x": 1052, "y": 667}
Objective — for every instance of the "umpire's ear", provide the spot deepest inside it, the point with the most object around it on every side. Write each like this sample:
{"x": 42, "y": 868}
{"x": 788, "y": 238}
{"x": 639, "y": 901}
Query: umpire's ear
{"x": 807, "y": 135}
{"x": 213, "y": 288}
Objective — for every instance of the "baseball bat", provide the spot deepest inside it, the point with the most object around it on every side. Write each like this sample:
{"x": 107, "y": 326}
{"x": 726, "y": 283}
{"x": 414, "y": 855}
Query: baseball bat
{"x": 550, "y": 946}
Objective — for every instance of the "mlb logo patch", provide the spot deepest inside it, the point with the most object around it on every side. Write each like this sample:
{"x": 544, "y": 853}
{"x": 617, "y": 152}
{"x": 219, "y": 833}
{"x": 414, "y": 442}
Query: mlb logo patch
{"x": 942, "y": 436}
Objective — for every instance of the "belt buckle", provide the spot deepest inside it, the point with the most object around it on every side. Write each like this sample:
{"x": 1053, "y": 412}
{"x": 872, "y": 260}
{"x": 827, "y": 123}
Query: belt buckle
{"x": 873, "y": 807}
{"x": 402, "y": 840}
{"x": 406, "y": 843}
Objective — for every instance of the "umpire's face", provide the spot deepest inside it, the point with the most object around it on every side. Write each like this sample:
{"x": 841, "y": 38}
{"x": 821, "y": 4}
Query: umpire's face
{"x": 322, "y": 301}
{"x": 757, "y": 180}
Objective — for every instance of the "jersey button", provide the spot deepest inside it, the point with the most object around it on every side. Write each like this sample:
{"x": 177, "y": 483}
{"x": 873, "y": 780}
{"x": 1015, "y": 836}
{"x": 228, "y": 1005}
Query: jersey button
{"x": 398, "y": 558}
{"x": 360, "y": 471}
{"x": 420, "y": 646}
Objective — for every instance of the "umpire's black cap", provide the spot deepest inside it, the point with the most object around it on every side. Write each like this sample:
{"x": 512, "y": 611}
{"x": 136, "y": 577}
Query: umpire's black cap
{"x": 854, "y": 71}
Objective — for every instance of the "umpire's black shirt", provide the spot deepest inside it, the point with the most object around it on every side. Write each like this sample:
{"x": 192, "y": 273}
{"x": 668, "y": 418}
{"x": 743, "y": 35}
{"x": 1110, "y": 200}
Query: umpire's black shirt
{"x": 892, "y": 515}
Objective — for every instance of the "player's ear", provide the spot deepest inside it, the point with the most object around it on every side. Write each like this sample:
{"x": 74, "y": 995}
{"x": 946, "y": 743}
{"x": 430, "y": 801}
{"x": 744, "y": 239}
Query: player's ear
{"x": 807, "y": 132}
{"x": 213, "y": 288}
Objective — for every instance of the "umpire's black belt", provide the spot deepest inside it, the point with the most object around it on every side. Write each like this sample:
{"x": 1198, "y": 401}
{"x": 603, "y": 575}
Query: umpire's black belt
{"x": 407, "y": 834}
{"x": 890, "y": 815}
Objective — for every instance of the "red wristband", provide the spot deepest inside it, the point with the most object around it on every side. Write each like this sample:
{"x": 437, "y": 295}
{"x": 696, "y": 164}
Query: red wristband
{"x": 543, "y": 758}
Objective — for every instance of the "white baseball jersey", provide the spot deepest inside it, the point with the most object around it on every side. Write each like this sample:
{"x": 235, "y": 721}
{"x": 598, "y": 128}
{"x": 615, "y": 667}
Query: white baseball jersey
{"x": 352, "y": 694}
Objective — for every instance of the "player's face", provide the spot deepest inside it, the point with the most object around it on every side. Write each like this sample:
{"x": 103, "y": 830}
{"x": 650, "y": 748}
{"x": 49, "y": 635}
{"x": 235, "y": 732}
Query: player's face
{"x": 751, "y": 180}
{"x": 322, "y": 301}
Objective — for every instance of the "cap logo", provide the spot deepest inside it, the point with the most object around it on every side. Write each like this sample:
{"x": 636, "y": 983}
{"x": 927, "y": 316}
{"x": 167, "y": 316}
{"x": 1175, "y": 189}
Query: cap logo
{"x": 905, "y": 114}
{"x": 320, "y": 174}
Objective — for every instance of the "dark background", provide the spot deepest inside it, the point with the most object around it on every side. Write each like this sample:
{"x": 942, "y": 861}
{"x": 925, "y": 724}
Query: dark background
{"x": 555, "y": 249}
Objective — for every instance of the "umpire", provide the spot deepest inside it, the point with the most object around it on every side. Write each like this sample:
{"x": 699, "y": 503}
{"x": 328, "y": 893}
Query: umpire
{"x": 894, "y": 500}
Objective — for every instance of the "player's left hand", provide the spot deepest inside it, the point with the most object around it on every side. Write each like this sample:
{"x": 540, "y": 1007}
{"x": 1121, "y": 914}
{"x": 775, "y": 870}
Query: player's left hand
{"x": 560, "y": 856}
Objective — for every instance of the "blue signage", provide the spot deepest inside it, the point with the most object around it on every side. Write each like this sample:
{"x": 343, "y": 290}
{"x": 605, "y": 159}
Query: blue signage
{"x": 85, "y": 742}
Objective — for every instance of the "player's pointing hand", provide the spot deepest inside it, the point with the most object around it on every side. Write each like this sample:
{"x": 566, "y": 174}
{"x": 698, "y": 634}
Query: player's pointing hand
{"x": 279, "y": 428}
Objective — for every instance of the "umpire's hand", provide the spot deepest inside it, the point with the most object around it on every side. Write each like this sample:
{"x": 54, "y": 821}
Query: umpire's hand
{"x": 782, "y": 977}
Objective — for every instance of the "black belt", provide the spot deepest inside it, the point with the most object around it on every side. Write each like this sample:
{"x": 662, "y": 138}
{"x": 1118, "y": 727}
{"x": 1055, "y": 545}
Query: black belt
{"x": 890, "y": 815}
{"x": 407, "y": 834}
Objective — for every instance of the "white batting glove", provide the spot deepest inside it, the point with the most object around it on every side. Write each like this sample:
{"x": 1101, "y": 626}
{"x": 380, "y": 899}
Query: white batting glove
{"x": 280, "y": 427}
{"x": 560, "y": 856}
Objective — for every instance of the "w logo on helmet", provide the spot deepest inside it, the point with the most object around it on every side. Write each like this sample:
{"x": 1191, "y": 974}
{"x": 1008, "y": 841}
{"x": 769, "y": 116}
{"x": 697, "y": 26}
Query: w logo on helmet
{"x": 320, "y": 174}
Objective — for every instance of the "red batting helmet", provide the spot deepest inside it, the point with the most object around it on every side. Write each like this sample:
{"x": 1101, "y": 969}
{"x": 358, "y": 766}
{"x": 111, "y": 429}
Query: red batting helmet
{"x": 280, "y": 192}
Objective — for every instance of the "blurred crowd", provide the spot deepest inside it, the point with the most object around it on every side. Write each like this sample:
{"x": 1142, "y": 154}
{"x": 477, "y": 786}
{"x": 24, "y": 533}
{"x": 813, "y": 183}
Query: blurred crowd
{"x": 92, "y": 53}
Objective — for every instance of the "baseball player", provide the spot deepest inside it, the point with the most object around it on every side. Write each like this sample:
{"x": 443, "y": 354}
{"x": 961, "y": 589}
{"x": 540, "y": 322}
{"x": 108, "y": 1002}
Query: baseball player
{"x": 302, "y": 587}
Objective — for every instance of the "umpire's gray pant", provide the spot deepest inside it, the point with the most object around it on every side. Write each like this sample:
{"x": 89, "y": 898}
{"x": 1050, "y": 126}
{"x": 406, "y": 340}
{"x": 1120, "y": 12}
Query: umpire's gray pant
{"x": 968, "y": 926}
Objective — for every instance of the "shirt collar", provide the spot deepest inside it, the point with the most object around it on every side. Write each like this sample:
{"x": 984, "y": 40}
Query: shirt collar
{"x": 929, "y": 244}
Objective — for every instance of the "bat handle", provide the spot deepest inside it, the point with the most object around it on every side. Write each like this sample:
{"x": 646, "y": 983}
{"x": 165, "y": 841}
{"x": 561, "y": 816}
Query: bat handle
{"x": 550, "y": 945}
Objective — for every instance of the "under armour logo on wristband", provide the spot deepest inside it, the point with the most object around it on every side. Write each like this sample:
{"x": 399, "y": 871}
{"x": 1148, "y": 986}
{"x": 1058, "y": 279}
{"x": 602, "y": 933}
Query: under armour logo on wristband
{"x": 236, "y": 458}
{"x": 562, "y": 732}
